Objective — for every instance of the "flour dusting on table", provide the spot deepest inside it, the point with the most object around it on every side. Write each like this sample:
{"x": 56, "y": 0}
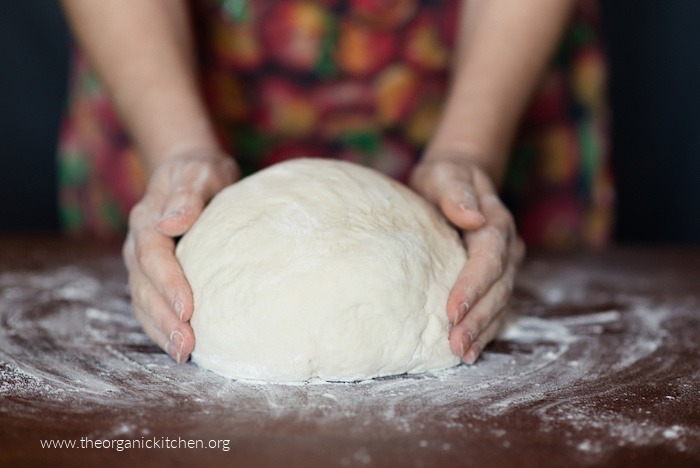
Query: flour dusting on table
{"x": 68, "y": 343}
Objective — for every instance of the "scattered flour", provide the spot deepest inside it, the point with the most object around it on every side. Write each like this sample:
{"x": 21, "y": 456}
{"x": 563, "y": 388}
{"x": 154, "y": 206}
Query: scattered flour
{"x": 68, "y": 342}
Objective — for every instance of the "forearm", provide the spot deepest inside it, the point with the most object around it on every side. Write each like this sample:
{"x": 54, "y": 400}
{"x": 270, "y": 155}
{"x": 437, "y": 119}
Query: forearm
{"x": 143, "y": 52}
{"x": 502, "y": 51}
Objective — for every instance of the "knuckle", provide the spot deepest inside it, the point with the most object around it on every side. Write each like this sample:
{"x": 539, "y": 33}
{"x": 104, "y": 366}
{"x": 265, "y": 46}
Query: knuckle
{"x": 144, "y": 254}
{"x": 477, "y": 322}
{"x": 128, "y": 251}
{"x": 500, "y": 320}
{"x": 138, "y": 213}
{"x": 494, "y": 262}
{"x": 503, "y": 290}
{"x": 503, "y": 226}
{"x": 492, "y": 231}
{"x": 477, "y": 326}
{"x": 137, "y": 291}
{"x": 497, "y": 265}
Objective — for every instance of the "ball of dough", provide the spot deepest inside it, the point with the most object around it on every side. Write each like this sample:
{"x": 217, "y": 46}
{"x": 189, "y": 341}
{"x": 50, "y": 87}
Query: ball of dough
{"x": 317, "y": 268}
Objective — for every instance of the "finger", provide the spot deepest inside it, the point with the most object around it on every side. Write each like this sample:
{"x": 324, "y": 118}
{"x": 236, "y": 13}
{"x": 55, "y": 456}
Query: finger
{"x": 460, "y": 207}
{"x": 489, "y": 252}
{"x": 153, "y": 254}
{"x": 183, "y": 207}
{"x": 449, "y": 186}
{"x": 193, "y": 184}
{"x": 478, "y": 345}
{"x": 156, "y": 261}
{"x": 173, "y": 345}
{"x": 486, "y": 264}
{"x": 158, "y": 321}
{"x": 490, "y": 308}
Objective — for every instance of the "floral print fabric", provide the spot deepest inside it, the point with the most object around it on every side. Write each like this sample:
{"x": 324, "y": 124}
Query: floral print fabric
{"x": 362, "y": 81}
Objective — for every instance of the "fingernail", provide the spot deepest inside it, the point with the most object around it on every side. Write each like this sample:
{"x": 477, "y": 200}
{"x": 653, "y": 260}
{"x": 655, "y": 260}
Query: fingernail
{"x": 179, "y": 308}
{"x": 173, "y": 214}
{"x": 473, "y": 353}
{"x": 172, "y": 352}
{"x": 465, "y": 343}
{"x": 461, "y": 312}
{"x": 464, "y": 207}
{"x": 470, "y": 358}
{"x": 177, "y": 342}
{"x": 480, "y": 216}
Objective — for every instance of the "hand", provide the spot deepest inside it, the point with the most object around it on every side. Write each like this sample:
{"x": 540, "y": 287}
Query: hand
{"x": 175, "y": 196}
{"x": 478, "y": 301}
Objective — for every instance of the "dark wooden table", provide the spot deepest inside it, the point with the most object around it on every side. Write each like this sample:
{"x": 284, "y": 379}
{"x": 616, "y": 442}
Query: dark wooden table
{"x": 599, "y": 365}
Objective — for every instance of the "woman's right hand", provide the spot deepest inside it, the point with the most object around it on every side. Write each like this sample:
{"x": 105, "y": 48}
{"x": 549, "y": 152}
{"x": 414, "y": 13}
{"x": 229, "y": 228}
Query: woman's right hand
{"x": 176, "y": 194}
{"x": 478, "y": 302}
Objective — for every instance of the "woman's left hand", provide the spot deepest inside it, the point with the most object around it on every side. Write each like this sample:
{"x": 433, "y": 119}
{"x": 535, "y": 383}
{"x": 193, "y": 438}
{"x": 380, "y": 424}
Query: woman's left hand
{"x": 467, "y": 197}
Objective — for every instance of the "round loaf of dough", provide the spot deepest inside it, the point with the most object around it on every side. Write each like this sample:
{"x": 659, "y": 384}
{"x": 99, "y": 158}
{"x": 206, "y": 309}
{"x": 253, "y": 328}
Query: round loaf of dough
{"x": 318, "y": 268}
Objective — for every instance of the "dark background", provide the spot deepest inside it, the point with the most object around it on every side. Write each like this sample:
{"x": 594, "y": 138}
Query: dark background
{"x": 33, "y": 67}
{"x": 654, "y": 54}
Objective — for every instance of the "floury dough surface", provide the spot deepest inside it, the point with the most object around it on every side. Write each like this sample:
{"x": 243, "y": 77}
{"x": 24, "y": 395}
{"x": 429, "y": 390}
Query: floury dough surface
{"x": 320, "y": 269}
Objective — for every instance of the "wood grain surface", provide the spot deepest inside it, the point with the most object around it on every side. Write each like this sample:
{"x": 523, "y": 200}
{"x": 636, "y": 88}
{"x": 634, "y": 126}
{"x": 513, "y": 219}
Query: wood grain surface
{"x": 598, "y": 366}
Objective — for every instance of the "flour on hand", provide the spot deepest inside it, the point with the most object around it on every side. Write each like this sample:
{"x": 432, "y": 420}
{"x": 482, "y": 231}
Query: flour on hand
{"x": 320, "y": 269}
